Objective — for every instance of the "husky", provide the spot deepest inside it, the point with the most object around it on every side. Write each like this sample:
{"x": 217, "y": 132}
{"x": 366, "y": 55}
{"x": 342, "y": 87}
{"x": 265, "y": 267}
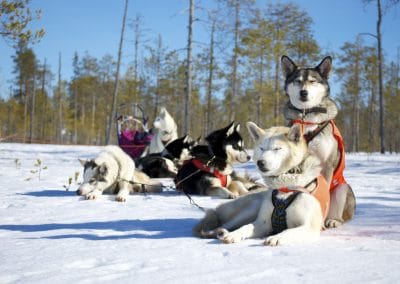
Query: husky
{"x": 311, "y": 106}
{"x": 166, "y": 129}
{"x": 166, "y": 163}
{"x": 292, "y": 207}
{"x": 210, "y": 171}
{"x": 113, "y": 171}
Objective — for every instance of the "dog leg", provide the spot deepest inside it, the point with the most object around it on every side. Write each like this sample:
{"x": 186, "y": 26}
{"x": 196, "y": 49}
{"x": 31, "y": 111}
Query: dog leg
{"x": 341, "y": 207}
{"x": 220, "y": 192}
{"x": 238, "y": 188}
{"x": 301, "y": 234}
{"x": 122, "y": 195}
{"x": 94, "y": 194}
{"x": 257, "y": 229}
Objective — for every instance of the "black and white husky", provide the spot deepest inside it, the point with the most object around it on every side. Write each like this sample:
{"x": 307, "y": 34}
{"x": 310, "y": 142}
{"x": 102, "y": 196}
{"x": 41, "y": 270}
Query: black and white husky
{"x": 311, "y": 106}
{"x": 113, "y": 171}
{"x": 167, "y": 163}
{"x": 210, "y": 171}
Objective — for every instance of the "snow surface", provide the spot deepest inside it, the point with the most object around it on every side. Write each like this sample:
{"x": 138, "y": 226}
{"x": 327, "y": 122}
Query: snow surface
{"x": 50, "y": 235}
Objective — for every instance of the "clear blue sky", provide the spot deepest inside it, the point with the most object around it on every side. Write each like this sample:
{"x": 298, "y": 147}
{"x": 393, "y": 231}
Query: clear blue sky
{"x": 94, "y": 26}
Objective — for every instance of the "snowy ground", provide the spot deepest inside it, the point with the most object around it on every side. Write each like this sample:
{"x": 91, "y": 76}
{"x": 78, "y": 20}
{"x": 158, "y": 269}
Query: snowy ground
{"x": 50, "y": 235}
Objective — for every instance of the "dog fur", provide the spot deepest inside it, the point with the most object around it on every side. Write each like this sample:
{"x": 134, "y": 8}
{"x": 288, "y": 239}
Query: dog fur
{"x": 112, "y": 171}
{"x": 283, "y": 160}
{"x": 308, "y": 91}
{"x": 166, "y": 131}
{"x": 225, "y": 147}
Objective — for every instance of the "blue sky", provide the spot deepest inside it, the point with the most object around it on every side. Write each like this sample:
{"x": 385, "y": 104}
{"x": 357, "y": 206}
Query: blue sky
{"x": 94, "y": 26}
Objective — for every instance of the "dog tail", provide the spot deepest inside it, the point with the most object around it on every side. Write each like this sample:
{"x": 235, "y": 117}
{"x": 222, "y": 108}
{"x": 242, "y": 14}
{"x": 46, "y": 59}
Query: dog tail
{"x": 205, "y": 228}
{"x": 145, "y": 184}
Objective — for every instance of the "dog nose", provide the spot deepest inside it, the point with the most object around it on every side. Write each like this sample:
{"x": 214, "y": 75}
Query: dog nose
{"x": 262, "y": 165}
{"x": 303, "y": 94}
{"x": 78, "y": 192}
{"x": 248, "y": 158}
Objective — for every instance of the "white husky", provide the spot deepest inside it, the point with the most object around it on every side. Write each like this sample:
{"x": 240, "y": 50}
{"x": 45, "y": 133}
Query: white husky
{"x": 166, "y": 131}
{"x": 113, "y": 171}
{"x": 289, "y": 212}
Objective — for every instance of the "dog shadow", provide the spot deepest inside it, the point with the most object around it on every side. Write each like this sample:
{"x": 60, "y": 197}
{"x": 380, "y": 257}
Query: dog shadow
{"x": 124, "y": 229}
{"x": 50, "y": 193}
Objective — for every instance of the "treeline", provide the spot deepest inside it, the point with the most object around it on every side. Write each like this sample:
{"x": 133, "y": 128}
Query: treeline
{"x": 236, "y": 75}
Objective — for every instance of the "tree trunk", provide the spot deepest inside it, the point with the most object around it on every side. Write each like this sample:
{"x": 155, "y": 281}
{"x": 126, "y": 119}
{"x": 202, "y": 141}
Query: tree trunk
{"x": 188, "y": 93}
{"x": 380, "y": 63}
{"x": 60, "y": 122}
{"x": 114, "y": 97}
{"x": 235, "y": 63}
{"x": 210, "y": 80}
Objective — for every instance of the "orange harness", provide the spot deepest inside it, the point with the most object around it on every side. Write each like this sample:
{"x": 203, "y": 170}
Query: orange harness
{"x": 321, "y": 193}
{"x": 337, "y": 177}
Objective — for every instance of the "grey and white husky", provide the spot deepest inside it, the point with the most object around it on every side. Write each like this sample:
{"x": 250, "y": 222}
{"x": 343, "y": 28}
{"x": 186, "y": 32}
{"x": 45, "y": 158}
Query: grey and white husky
{"x": 113, "y": 171}
{"x": 292, "y": 175}
{"x": 310, "y": 106}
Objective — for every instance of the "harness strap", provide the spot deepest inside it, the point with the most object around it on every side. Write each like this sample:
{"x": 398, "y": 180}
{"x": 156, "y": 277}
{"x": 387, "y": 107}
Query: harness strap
{"x": 311, "y": 135}
{"x": 278, "y": 217}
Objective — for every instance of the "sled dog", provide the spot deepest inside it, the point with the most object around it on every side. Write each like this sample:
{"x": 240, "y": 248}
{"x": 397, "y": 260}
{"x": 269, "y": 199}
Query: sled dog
{"x": 311, "y": 106}
{"x": 210, "y": 171}
{"x": 166, "y": 163}
{"x": 166, "y": 131}
{"x": 113, "y": 171}
{"x": 290, "y": 210}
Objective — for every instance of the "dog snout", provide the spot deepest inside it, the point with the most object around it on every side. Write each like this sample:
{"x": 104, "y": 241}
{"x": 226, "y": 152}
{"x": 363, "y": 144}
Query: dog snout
{"x": 262, "y": 165}
{"x": 79, "y": 192}
{"x": 304, "y": 95}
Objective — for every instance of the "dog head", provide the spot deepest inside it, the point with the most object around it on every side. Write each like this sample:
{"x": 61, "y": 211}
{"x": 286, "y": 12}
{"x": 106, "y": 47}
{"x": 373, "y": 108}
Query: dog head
{"x": 277, "y": 149}
{"x": 165, "y": 124}
{"x": 93, "y": 174}
{"x": 227, "y": 143}
{"x": 180, "y": 148}
{"x": 306, "y": 87}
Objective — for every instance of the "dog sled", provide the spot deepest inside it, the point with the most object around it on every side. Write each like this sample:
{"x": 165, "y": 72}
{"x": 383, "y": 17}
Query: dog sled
{"x": 133, "y": 134}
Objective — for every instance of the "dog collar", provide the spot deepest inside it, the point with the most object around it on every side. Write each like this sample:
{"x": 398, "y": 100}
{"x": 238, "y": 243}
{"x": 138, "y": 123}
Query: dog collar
{"x": 308, "y": 110}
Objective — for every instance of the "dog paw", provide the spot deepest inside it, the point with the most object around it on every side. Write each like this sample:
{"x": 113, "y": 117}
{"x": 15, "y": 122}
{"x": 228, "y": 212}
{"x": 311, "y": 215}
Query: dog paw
{"x": 120, "y": 198}
{"x": 228, "y": 237}
{"x": 93, "y": 195}
{"x": 333, "y": 223}
{"x": 272, "y": 241}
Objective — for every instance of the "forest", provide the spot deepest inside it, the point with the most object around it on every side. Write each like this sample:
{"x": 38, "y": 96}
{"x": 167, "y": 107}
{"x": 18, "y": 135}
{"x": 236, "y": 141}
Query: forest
{"x": 235, "y": 76}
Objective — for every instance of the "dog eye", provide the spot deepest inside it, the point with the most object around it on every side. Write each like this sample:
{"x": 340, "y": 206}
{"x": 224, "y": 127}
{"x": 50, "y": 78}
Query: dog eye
{"x": 312, "y": 81}
{"x": 261, "y": 149}
{"x": 297, "y": 81}
{"x": 277, "y": 148}
{"x": 92, "y": 181}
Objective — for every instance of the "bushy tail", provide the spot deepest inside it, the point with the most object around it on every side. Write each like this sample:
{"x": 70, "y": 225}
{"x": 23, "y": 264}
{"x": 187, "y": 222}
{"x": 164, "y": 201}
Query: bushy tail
{"x": 143, "y": 183}
{"x": 205, "y": 228}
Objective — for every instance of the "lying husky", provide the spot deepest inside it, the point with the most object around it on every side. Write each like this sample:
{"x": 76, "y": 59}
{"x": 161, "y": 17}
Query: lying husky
{"x": 166, "y": 131}
{"x": 210, "y": 171}
{"x": 113, "y": 171}
{"x": 166, "y": 163}
{"x": 291, "y": 211}
{"x": 310, "y": 106}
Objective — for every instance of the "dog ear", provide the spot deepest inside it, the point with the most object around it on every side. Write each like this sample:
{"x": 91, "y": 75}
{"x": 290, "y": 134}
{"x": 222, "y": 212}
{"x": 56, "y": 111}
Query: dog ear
{"x": 295, "y": 133}
{"x": 230, "y": 129}
{"x": 83, "y": 162}
{"x": 324, "y": 67}
{"x": 288, "y": 66}
{"x": 237, "y": 127}
{"x": 255, "y": 131}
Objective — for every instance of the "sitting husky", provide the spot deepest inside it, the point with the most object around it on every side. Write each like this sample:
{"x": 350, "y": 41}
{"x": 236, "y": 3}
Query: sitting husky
{"x": 166, "y": 163}
{"x": 310, "y": 106}
{"x": 210, "y": 171}
{"x": 113, "y": 171}
{"x": 293, "y": 208}
{"x": 166, "y": 131}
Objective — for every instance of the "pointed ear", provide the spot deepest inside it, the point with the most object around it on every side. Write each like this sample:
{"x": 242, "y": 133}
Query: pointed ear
{"x": 295, "y": 133}
{"x": 237, "y": 128}
{"x": 288, "y": 66}
{"x": 186, "y": 139}
{"x": 162, "y": 112}
{"x": 83, "y": 162}
{"x": 324, "y": 67}
{"x": 255, "y": 132}
{"x": 230, "y": 129}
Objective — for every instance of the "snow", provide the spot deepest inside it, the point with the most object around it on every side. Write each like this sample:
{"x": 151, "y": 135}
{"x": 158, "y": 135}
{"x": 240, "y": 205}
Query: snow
{"x": 51, "y": 235}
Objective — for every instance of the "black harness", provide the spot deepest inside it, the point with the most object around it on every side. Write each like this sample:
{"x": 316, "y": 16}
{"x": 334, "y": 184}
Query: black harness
{"x": 278, "y": 217}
